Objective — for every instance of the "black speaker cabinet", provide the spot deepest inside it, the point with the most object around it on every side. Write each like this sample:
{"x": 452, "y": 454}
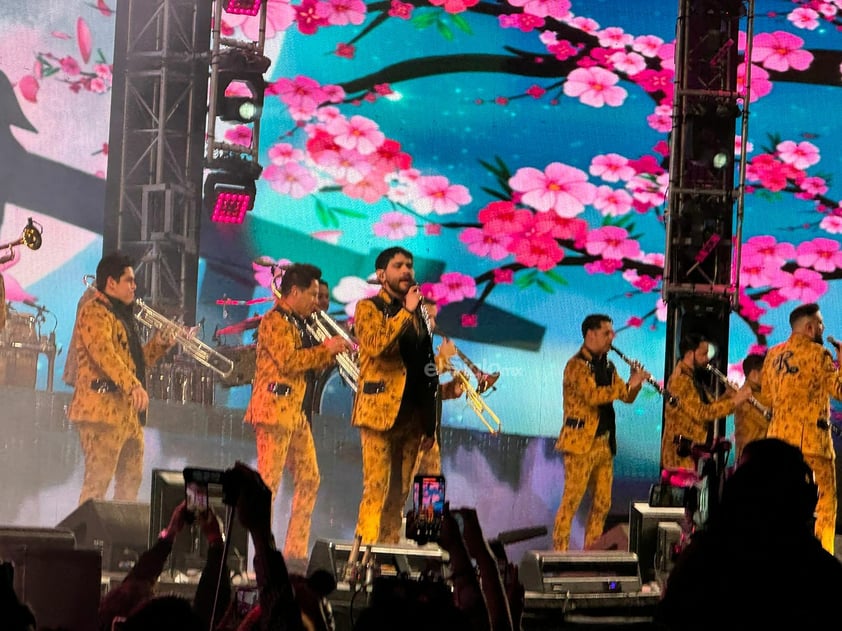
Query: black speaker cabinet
{"x": 119, "y": 530}
{"x": 32, "y": 538}
{"x": 61, "y": 586}
{"x": 643, "y": 533}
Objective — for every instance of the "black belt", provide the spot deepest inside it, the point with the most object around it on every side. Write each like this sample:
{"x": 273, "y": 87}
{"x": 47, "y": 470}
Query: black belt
{"x": 103, "y": 386}
{"x": 575, "y": 423}
{"x": 279, "y": 389}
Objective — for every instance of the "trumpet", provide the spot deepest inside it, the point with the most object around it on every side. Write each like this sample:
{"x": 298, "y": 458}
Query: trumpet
{"x": 636, "y": 365}
{"x": 30, "y": 237}
{"x": 322, "y": 327}
{"x": 766, "y": 412}
{"x": 189, "y": 343}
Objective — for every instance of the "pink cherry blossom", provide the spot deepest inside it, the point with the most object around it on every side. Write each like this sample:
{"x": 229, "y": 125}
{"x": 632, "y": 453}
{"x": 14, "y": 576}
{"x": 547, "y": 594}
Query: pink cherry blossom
{"x": 541, "y": 252}
{"x": 801, "y": 155}
{"x": 760, "y": 83}
{"x": 372, "y": 188}
{"x": 611, "y": 167}
{"x": 290, "y": 179}
{"x": 280, "y": 14}
{"x": 557, "y": 9}
{"x": 438, "y": 195}
{"x": 561, "y": 188}
{"x": 345, "y": 165}
{"x": 629, "y": 63}
{"x": 402, "y": 10}
{"x": 504, "y": 218}
{"x": 614, "y": 37}
{"x": 282, "y": 152}
{"x": 586, "y": 25}
{"x": 454, "y": 287}
{"x": 831, "y": 224}
{"x": 454, "y": 6}
{"x": 753, "y": 272}
{"x": 780, "y": 51}
{"x": 813, "y": 186}
{"x": 595, "y": 87}
{"x": 647, "y": 45}
{"x": 328, "y": 236}
{"x": 301, "y": 92}
{"x": 654, "y": 80}
{"x": 612, "y": 202}
{"x": 661, "y": 119}
{"x": 395, "y": 226}
{"x": 358, "y": 132}
{"x": 239, "y": 135}
{"x": 29, "y": 86}
{"x": 805, "y": 18}
{"x": 823, "y": 255}
{"x": 482, "y": 243}
{"x": 611, "y": 242}
{"x": 503, "y": 276}
{"x": 773, "y": 254}
{"x": 803, "y": 285}
{"x": 749, "y": 308}
{"x": 344, "y": 12}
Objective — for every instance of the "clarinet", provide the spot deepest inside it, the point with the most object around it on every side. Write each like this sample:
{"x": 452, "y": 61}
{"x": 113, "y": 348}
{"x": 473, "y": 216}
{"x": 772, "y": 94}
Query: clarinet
{"x": 636, "y": 365}
{"x": 766, "y": 412}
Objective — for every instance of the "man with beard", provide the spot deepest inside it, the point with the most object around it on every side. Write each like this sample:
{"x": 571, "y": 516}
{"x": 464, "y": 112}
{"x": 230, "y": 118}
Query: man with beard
{"x": 688, "y": 422}
{"x": 109, "y": 400}
{"x": 799, "y": 377}
{"x": 395, "y": 405}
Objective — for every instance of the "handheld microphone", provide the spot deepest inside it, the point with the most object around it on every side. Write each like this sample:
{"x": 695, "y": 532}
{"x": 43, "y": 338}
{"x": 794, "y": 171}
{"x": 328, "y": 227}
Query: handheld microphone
{"x": 832, "y": 341}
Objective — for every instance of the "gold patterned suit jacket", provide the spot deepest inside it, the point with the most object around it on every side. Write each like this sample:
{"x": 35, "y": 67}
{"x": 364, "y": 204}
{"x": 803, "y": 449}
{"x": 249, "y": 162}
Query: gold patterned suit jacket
{"x": 382, "y": 371}
{"x": 688, "y": 418}
{"x": 582, "y": 398}
{"x": 282, "y": 363}
{"x": 749, "y": 423}
{"x": 102, "y": 354}
{"x": 799, "y": 378}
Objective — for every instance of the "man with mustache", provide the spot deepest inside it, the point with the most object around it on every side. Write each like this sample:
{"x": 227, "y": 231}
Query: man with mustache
{"x": 799, "y": 377}
{"x": 395, "y": 405}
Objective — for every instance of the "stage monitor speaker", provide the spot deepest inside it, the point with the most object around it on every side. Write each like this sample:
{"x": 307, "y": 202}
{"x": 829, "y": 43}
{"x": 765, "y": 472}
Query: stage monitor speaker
{"x": 31, "y": 538}
{"x": 190, "y": 549}
{"x": 61, "y": 586}
{"x": 117, "y": 529}
{"x": 670, "y": 539}
{"x": 580, "y": 572}
{"x": 392, "y": 560}
{"x": 643, "y": 533}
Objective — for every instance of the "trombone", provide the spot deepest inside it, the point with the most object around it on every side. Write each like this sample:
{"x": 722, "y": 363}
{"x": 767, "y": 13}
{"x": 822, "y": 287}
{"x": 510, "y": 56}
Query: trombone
{"x": 30, "y": 237}
{"x": 189, "y": 343}
{"x": 474, "y": 395}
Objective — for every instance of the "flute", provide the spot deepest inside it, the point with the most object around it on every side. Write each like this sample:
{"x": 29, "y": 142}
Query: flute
{"x": 766, "y": 412}
{"x": 636, "y": 365}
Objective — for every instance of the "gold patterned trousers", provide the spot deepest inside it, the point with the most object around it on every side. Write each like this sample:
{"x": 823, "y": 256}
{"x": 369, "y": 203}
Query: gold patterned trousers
{"x": 824, "y": 472}
{"x": 111, "y": 451}
{"x": 293, "y": 449}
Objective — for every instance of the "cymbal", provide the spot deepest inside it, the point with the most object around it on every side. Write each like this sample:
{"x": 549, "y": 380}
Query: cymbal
{"x": 239, "y": 327}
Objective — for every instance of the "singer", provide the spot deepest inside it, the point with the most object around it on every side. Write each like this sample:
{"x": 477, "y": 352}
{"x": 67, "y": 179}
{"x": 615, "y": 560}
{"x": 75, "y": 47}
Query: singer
{"x": 799, "y": 378}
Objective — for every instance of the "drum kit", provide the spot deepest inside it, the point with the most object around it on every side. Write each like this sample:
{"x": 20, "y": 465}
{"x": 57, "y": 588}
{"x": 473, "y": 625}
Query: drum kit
{"x": 21, "y": 341}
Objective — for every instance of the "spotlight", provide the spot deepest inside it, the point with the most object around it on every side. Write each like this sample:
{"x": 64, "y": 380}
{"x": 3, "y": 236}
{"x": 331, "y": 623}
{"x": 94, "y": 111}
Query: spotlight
{"x": 240, "y": 85}
{"x": 230, "y": 191}
{"x": 241, "y": 7}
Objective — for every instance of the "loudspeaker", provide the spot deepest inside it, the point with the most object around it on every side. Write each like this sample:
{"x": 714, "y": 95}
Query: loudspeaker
{"x": 117, "y": 529}
{"x": 61, "y": 586}
{"x": 392, "y": 560}
{"x": 643, "y": 533}
{"x": 16, "y": 537}
{"x": 580, "y": 572}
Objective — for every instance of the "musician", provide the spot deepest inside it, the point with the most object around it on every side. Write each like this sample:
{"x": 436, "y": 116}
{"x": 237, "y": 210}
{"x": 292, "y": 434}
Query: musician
{"x": 688, "y": 422}
{"x": 109, "y": 400}
{"x": 395, "y": 405}
{"x": 323, "y": 302}
{"x": 749, "y": 422}
{"x": 588, "y": 435}
{"x": 287, "y": 359}
{"x": 799, "y": 378}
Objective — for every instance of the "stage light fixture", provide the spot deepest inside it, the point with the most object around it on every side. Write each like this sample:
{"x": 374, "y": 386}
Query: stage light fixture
{"x": 242, "y": 7}
{"x": 240, "y": 85}
{"x": 231, "y": 192}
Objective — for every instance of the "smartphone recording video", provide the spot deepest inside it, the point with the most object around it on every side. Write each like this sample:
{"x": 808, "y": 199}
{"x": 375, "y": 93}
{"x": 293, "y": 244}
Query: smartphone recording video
{"x": 199, "y": 485}
{"x": 428, "y": 507}
{"x": 246, "y": 599}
